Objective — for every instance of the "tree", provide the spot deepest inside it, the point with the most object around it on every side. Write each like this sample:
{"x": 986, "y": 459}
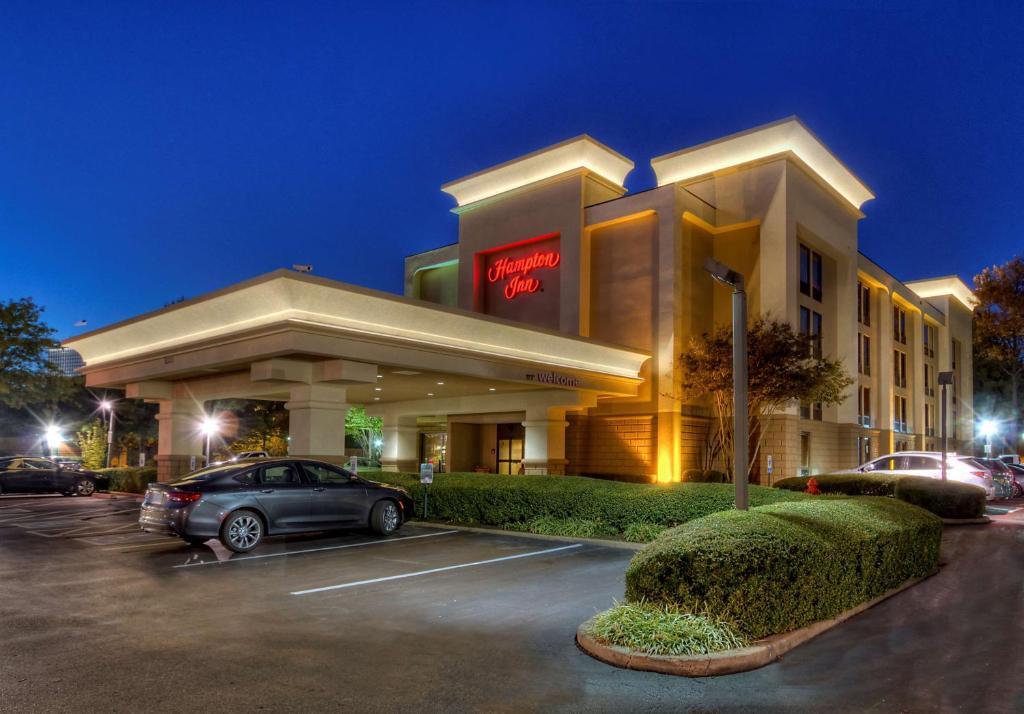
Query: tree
{"x": 366, "y": 430}
{"x": 782, "y": 370}
{"x": 999, "y": 328}
{"x": 28, "y": 376}
{"x": 92, "y": 442}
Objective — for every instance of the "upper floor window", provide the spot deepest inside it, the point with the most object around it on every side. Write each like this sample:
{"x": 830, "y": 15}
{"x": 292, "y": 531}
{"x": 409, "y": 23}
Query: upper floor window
{"x": 899, "y": 368}
{"x": 899, "y": 324}
{"x": 864, "y": 406}
{"x": 810, "y": 272}
{"x": 954, "y": 357}
{"x": 810, "y": 327}
{"x": 864, "y": 354}
{"x": 864, "y": 304}
{"x": 929, "y": 380}
{"x": 899, "y": 415}
{"x": 930, "y": 340}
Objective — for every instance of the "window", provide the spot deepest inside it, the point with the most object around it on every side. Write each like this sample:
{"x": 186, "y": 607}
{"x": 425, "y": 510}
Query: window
{"x": 929, "y": 420}
{"x": 864, "y": 304}
{"x": 864, "y": 406}
{"x": 246, "y": 478}
{"x": 929, "y": 376}
{"x": 955, "y": 355}
{"x": 318, "y": 473}
{"x": 899, "y": 324}
{"x": 930, "y": 340}
{"x": 863, "y": 449}
{"x": 280, "y": 475}
{"x": 810, "y": 273}
{"x": 899, "y": 369}
{"x": 810, "y": 327}
{"x": 864, "y": 354}
{"x": 899, "y": 414}
{"x": 922, "y": 463}
{"x": 886, "y": 464}
{"x": 805, "y": 453}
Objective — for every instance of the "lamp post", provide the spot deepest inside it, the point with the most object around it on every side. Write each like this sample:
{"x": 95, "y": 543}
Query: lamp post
{"x": 730, "y": 278}
{"x": 989, "y": 427}
{"x": 210, "y": 426}
{"x": 945, "y": 379}
{"x": 53, "y": 438}
{"x": 108, "y": 408}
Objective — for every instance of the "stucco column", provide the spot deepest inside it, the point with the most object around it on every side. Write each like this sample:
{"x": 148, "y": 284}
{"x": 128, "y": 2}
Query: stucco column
{"x": 316, "y": 422}
{"x": 544, "y": 447}
{"x": 400, "y": 451}
{"x": 179, "y": 438}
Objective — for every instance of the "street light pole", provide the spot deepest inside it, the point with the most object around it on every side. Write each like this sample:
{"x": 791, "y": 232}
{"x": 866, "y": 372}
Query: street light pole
{"x": 108, "y": 407}
{"x": 733, "y": 279}
{"x": 945, "y": 379}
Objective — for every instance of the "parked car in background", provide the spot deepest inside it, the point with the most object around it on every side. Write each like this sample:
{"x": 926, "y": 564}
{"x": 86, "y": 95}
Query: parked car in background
{"x": 35, "y": 474}
{"x": 242, "y": 502}
{"x": 69, "y": 462}
{"x": 1018, "y": 479}
{"x": 1010, "y": 458}
{"x": 242, "y": 455}
{"x": 1002, "y": 476}
{"x": 929, "y": 464}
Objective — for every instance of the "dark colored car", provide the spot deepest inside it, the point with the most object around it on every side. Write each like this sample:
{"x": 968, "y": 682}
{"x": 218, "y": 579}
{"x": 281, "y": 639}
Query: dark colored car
{"x": 1002, "y": 476}
{"x": 241, "y": 502}
{"x": 1018, "y": 479}
{"x": 35, "y": 474}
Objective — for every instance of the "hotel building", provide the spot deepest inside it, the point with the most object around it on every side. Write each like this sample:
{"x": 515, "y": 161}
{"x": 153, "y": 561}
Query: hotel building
{"x": 546, "y": 339}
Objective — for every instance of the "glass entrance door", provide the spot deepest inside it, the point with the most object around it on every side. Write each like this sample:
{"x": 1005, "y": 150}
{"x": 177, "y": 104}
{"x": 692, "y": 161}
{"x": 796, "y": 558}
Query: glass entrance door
{"x": 510, "y": 448}
{"x": 434, "y": 450}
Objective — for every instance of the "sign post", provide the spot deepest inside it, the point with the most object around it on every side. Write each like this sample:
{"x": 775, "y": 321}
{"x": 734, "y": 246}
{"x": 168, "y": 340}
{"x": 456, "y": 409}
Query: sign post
{"x": 945, "y": 379}
{"x": 771, "y": 468}
{"x": 353, "y": 464}
{"x": 426, "y": 478}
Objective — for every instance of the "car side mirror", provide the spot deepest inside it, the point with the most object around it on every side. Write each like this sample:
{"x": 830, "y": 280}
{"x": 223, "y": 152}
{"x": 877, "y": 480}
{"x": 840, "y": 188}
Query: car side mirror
{"x": 868, "y": 467}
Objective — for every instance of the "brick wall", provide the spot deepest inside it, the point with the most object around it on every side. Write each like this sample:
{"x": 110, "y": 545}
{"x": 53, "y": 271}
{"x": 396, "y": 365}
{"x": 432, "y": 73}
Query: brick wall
{"x": 623, "y": 445}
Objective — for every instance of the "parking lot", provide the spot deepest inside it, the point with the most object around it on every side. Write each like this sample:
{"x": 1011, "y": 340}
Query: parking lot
{"x": 97, "y": 616}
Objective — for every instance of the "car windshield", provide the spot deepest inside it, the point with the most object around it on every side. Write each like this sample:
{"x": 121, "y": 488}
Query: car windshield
{"x": 209, "y": 473}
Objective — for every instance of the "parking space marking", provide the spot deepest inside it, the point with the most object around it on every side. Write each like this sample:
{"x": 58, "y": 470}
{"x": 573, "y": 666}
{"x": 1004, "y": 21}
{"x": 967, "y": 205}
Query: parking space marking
{"x": 314, "y": 550}
{"x": 436, "y": 570}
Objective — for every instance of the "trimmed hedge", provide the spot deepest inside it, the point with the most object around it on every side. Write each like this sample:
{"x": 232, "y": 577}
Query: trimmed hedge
{"x": 503, "y": 501}
{"x": 949, "y": 499}
{"x": 707, "y": 476}
{"x": 783, "y": 566}
{"x": 130, "y": 479}
{"x": 946, "y": 499}
{"x": 845, "y": 484}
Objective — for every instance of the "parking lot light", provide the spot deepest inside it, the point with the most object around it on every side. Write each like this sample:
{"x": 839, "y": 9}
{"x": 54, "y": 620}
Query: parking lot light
{"x": 209, "y": 426}
{"x": 53, "y": 438}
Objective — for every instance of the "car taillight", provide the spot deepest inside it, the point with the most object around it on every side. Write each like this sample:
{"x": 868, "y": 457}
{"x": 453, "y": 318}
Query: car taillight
{"x": 183, "y": 496}
{"x": 982, "y": 474}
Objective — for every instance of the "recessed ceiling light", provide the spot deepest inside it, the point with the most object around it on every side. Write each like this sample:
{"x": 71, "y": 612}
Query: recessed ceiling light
{"x": 376, "y": 399}
{"x": 440, "y": 384}
{"x": 492, "y": 389}
{"x": 430, "y": 394}
{"x": 378, "y": 389}
{"x": 380, "y": 376}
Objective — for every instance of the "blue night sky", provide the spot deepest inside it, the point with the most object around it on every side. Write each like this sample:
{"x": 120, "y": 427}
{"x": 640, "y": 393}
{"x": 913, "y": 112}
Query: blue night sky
{"x": 155, "y": 150}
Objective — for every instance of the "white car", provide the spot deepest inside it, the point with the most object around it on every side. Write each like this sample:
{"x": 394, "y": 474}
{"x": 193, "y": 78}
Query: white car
{"x": 929, "y": 463}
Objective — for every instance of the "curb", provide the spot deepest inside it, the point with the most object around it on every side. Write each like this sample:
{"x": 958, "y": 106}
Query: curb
{"x": 966, "y": 521}
{"x": 742, "y": 659}
{"x": 620, "y": 544}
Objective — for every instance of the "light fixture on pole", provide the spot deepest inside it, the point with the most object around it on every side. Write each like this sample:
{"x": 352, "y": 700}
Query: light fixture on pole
{"x": 730, "y": 278}
{"x": 210, "y": 426}
{"x": 53, "y": 438}
{"x": 945, "y": 379}
{"x": 108, "y": 408}
{"x": 988, "y": 428}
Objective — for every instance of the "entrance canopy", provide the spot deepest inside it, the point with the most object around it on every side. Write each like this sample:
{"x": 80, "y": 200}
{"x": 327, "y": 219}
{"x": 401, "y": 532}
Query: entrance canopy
{"x": 321, "y": 345}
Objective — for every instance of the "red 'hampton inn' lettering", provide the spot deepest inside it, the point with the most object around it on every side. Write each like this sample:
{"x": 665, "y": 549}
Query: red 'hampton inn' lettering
{"x": 518, "y": 270}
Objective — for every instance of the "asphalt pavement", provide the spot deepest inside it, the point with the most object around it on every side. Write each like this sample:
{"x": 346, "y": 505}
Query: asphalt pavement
{"x": 98, "y": 617}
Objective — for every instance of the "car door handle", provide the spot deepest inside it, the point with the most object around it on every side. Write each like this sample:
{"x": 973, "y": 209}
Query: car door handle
{"x": 319, "y": 488}
{"x": 267, "y": 490}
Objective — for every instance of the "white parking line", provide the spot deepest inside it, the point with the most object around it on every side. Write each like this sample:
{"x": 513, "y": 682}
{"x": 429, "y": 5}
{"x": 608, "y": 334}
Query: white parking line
{"x": 436, "y": 570}
{"x": 314, "y": 550}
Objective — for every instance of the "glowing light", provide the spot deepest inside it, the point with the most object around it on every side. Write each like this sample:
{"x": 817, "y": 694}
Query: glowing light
{"x": 106, "y": 405}
{"x": 778, "y": 138}
{"x": 378, "y": 443}
{"x": 988, "y": 427}
{"x": 581, "y": 152}
{"x": 210, "y": 425}
{"x": 53, "y": 436}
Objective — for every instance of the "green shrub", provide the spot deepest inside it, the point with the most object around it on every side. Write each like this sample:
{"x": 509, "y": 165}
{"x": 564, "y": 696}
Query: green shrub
{"x": 642, "y": 532}
{"x": 707, "y": 476}
{"x": 946, "y": 499}
{"x": 572, "y": 527}
{"x": 782, "y": 566}
{"x": 660, "y": 630}
{"x": 845, "y": 484}
{"x": 130, "y": 479}
{"x": 496, "y": 500}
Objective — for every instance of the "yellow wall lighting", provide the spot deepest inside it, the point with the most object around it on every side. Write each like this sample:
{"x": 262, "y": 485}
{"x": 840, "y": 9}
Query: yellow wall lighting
{"x": 950, "y": 285}
{"x": 582, "y": 152}
{"x": 788, "y": 136}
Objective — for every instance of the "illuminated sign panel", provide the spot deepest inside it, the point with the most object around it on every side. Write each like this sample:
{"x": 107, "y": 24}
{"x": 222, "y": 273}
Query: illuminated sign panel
{"x": 520, "y": 281}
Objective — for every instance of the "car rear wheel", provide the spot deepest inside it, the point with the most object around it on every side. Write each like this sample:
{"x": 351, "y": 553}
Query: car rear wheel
{"x": 242, "y": 531}
{"x": 385, "y": 519}
{"x": 85, "y": 487}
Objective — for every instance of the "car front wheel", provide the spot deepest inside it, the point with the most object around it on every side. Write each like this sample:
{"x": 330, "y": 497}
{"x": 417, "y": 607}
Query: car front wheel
{"x": 242, "y": 531}
{"x": 385, "y": 519}
{"x": 85, "y": 487}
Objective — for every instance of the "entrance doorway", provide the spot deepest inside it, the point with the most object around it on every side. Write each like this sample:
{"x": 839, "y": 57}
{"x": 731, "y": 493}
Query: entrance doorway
{"x": 434, "y": 450}
{"x": 511, "y": 438}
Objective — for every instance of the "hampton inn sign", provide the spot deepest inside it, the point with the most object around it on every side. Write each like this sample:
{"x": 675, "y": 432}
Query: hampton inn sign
{"x": 546, "y": 339}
